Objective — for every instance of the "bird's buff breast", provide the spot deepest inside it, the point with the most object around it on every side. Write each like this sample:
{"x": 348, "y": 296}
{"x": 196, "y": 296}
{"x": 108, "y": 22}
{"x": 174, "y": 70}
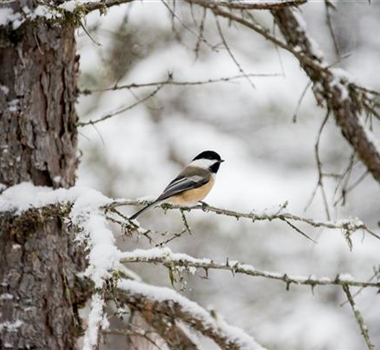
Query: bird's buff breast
{"x": 192, "y": 197}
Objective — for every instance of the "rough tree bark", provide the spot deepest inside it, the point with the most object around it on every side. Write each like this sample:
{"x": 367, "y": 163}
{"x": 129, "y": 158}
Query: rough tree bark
{"x": 38, "y": 140}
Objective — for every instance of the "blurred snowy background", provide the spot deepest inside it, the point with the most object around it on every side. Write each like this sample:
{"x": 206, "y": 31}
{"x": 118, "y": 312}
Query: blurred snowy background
{"x": 269, "y": 160}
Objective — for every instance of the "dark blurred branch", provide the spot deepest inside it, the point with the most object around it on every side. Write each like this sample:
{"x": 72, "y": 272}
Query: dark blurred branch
{"x": 359, "y": 318}
{"x": 259, "y": 5}
{"x": 132, "y": 333}
{"x": 169, "y": 259}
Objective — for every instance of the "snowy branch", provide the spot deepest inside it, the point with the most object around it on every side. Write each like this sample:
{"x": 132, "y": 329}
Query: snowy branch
{"x": 102, "y": 5}
{"x": 259, "y": 5}
{"x": 165, "y": 257}
{"x": 173, "y": 307}
{"x": 346, "y": 226}
{"x": 86, "y": 211}
{"x": 359, "y": 318}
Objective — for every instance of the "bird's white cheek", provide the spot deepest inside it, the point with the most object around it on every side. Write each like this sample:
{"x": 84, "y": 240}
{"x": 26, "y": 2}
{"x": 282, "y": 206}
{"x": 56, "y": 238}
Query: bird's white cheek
{"x": 202, "y": 163}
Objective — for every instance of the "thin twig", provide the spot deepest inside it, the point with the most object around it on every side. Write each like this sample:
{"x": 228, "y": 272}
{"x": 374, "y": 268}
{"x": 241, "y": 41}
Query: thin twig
{"x": 121, "y": 110}
{"x": 358, "y": 317}
{"x": 169, "y": 81}
{"x": 295, "y": 115}
{"x": 329, "y": 5}
{"x": 319, "y": 165}
{"x": 187, "y": 227}
{"x": 183, "y": 24}
{"x": 241, "y": 70}
{"x": 300, "y": 231}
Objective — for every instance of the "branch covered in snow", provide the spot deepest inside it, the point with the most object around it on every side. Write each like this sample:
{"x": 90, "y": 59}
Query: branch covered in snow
{"x": 173, "y": 307}
{"x": 165, "y": 257}
{"x": 87, "y": 211}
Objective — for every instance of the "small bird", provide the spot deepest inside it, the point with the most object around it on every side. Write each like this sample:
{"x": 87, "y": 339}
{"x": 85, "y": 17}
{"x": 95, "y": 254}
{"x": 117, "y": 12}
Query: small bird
{"x": 191, "y": 185}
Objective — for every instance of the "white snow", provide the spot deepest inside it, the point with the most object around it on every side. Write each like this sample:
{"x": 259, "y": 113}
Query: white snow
{"x": 99, "y": 243}
{"x": 302, "y": 26}
{"x": 342, "y": 87}
{"x": 95, "y": 321}
{"x": 370, "y": 136}
{"x": 13, "y": 105}
{"x": 163, "y": 294}
{"x": 98, "y": 239}
{"x": 6, "y": 296}
{"x": 5, "y": 14}
{"x": 346, "y": 277}
{"x": 45, "y": 12}
{"x": 344, "y": 75}
{"x": 3, "y": 88}
{"x": 8, "y": 16}
{"x": 69, "y": 5}
{"x": 161, "y": 253}
{"x": 11, "y": 326}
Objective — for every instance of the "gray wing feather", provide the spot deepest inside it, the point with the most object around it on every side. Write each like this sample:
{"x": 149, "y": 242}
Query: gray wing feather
{"x": 181, "y": 184}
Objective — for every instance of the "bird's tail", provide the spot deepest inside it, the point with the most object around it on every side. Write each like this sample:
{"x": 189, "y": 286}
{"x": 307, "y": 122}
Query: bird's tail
{"x": 134, "y": 216}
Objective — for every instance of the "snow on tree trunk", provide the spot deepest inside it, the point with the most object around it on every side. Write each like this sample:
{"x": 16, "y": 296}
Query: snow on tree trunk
{"x": 38, "y": 143}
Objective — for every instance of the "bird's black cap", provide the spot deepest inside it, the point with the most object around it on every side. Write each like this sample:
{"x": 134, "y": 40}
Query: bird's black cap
{"x": 209, "y": 155}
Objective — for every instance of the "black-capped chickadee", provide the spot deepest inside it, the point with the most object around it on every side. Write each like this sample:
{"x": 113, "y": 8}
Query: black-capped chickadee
{"x": 191, "y": 185}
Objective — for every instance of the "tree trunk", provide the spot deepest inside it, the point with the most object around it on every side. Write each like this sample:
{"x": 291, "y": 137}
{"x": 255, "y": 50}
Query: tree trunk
{"x": 38, "y": 140}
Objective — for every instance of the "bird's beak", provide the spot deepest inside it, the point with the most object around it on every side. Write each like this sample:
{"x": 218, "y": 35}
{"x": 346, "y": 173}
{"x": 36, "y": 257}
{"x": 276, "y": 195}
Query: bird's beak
{"x": 221, "y": 161}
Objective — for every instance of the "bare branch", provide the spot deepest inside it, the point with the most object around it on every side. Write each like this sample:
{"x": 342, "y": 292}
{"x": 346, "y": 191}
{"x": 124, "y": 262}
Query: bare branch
{"x": 350, "y": 225}
{"x": 121, "y": 110}
{"x": 131, "y": 333}
{"x": 169, "y": 81}
{"x": 165, "y": 257}
{"x": 238, "y": 65}
{"x": 319, "y": 166}
{"x": 359, "y": 318}
{"x": 328, "y": 6}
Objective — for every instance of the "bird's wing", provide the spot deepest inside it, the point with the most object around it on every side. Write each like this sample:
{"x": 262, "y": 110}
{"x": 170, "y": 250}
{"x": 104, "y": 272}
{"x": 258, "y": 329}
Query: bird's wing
{"x": 185, "y": 182}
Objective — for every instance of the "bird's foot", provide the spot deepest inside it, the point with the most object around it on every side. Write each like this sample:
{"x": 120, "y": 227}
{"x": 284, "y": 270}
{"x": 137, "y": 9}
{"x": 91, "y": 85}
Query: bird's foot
{"x": 204, "y": 205}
